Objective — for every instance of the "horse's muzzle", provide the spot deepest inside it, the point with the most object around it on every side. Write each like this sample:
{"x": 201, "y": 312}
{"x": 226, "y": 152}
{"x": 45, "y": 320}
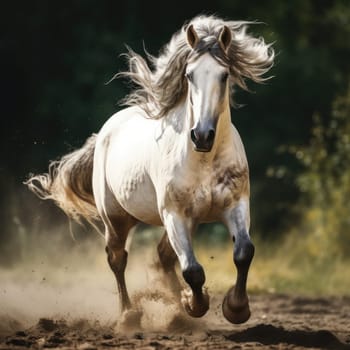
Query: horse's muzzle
{"x": 203, "y": 140}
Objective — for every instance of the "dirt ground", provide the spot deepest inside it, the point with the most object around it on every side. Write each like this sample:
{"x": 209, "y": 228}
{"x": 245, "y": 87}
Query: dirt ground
{"x": 277, "y": 322}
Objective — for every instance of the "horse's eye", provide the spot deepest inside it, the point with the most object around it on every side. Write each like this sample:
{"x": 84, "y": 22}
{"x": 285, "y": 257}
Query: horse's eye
{"x": 189, "y": 76}
{"x": 224, "y": 77}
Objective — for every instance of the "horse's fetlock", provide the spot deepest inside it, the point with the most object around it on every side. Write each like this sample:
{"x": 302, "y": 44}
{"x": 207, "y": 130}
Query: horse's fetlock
{"x": 194, "y": 276}
{"x": 244, "y": 253}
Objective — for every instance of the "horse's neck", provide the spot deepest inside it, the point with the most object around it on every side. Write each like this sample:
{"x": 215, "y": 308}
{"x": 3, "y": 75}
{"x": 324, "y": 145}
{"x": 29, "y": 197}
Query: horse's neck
{"x": 224, "y": 136}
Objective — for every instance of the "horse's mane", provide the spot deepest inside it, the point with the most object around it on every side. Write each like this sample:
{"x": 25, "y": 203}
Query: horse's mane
{"x": 158, "y": 90}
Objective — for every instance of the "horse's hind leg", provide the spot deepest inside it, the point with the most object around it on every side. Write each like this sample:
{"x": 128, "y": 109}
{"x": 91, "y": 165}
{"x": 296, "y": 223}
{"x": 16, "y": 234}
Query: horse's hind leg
{"x": 117, "y": 258}
{"x": 167, "y": 260}
{"x": 116, "y": 234}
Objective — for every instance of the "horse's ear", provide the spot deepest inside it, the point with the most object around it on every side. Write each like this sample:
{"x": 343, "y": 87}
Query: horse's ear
{"x": 225, "y": 38}
{"x": 192, "y": 37}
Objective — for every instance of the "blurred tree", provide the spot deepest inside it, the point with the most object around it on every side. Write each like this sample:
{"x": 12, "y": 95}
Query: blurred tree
{"x": 311, "y": 70}
{"x": 56, "y": 57}
{"x": 325, "y": 183}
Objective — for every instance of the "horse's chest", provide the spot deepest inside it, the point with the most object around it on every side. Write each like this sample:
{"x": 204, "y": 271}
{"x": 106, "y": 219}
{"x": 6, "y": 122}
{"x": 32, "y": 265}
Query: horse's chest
{"x": 206, "y": 197}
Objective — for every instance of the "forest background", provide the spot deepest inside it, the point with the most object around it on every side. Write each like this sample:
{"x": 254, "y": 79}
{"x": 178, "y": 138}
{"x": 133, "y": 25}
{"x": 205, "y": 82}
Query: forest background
{"x": 56, "y": 58}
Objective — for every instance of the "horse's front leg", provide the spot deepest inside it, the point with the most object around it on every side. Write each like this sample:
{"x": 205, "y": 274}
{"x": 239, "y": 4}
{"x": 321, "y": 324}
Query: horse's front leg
{"x": 235, "y": 306}
{"x": 179, "y": 230}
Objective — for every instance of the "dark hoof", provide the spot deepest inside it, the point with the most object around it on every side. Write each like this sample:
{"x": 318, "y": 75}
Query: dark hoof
{"x": 237, "y": 313}
{"x": 195, "y": 306}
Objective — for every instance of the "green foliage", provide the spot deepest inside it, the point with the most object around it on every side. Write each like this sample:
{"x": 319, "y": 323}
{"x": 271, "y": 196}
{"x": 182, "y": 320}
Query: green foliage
{"x": 57, "y": 57}
{"x": 325, "y": 183}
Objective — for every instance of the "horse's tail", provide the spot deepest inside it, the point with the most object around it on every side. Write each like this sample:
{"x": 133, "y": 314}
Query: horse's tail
{"x": 69, "y": 183}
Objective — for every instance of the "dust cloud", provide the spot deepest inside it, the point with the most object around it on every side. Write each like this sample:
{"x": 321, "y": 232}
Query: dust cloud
{"x": 60, "y": 278}
{"x": 59, "y": 292}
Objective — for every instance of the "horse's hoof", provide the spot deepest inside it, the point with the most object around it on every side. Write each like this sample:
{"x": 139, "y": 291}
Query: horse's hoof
{"x": 195, "y": 306}
{"x": 238, "y": 313}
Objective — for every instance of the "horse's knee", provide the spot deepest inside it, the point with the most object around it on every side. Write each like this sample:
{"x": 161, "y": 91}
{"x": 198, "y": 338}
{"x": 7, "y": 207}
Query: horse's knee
{"x": 243, "y": 252}
{"x": 194, "y": 276}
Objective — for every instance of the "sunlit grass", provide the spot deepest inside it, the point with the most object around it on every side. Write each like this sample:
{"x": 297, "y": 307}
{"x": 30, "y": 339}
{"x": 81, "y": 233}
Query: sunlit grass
{"x": 286, "y": 266}
{"x": 278, "y": 267}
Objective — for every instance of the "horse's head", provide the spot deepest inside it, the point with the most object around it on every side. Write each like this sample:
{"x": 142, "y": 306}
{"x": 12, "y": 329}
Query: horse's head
{"x": 208, "y": 86}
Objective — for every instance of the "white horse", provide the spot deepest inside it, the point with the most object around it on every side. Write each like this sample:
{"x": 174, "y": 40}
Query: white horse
{"x": 172, "y": 158}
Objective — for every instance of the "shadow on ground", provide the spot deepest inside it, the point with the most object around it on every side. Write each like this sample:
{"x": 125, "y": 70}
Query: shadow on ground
{"x": 271, "y": 335}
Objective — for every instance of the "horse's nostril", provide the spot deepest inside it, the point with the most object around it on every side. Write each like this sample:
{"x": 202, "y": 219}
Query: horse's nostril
{"x": 194, "y": 137}
{"x": 211, "y": 135}
{"x": 203, "y": 139}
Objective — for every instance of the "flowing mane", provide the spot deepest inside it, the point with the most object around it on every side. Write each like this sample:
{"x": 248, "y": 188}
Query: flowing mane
{"x": 160, "y": 88}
